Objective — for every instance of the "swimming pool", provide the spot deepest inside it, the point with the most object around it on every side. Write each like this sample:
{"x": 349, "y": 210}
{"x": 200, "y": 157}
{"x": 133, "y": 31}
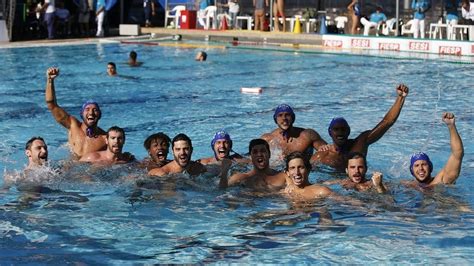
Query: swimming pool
{"x": 109, "y": 221}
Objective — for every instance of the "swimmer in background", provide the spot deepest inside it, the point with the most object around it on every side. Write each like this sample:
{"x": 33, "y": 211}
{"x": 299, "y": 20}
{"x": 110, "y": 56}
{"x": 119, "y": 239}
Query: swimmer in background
{"x": 85, "y": 136}
{"x": 354, "y": 9}
{"x": 297, "y": 169}
{"x": 356, "y": 170}
{"x": 201, "y": 56}
{"x": 289, "y": 138}
{"x": 221, "y": 145}
{"x": 335, "y": 155}
{"x": 132, "y": 59}
{"x": 111, "y": 69}
{"x": 157, "y": 146}
{"x": 113, "y": 154}
{"x": 261, "y": 177}
{"x": 421, "y": 166}
{"x": 182, "y": 150}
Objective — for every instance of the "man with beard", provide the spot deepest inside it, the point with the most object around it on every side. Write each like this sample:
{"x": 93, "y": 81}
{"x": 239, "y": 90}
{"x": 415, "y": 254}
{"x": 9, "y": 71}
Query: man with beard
{"x": 356, "y": 170}
{"x": 157, "y": 146}
{"x": 36, "y": 172}
{"x": 113, "y": 154}
{"x": 84, "y": 137}
{"x": 421, "y": 166}
{"x": 221, "y": 145}
{"x": 182, "y": 150}
{"x": 335, "y": 155}
{"x": 36, "y": 151}
{"x": 289, "y": 138}
{"x": 297, "y": 184}
{"x": 261, "y": 176}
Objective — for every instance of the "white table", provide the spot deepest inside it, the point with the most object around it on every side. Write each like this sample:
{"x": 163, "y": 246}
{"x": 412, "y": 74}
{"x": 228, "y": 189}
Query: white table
{"x": 249, "y": 21}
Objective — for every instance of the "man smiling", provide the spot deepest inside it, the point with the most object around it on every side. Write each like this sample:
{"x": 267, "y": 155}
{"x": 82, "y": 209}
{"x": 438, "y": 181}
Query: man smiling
{"x": 85, "y": 136}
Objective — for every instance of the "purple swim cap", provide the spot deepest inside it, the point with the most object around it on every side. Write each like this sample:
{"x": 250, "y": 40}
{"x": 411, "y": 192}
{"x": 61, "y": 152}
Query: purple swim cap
{"x": 420, "y": 156}
{"x": 221, "y": 135}
{"x": 89, "y": 102}
{"x": 338, "y": 120}
{"x": 283, "y": 108}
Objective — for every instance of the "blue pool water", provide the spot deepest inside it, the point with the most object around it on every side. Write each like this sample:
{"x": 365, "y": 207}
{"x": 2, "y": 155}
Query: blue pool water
{"x": 191, "y": 221}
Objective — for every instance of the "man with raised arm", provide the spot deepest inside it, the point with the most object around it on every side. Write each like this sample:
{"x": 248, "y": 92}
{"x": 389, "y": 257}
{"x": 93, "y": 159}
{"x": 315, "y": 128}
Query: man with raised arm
{"x": 113, "y": 154}
{"x": 335, "y": 155}
{"x": 85, "y": 136}
{"x": 261, "y": 176}
{"x": 421, "y": 166}
{"x": 289, "y": 138}
{"x": 182, "y": 150}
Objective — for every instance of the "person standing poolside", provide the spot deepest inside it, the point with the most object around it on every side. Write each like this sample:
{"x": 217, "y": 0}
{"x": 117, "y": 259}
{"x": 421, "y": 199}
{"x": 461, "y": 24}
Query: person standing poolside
{"x": 113, "y": 154}
{"x": 100, "y": 16}
{"x": 297, "y": 169}
{"x": 260, "y": 13}
{"x": 420, "y": 7}
{"x": 279, "y": 11}
{"x": 157, "y": 146}
{"x": 289, "y": 138}
{"x": 261, "y": 177}
{"x": 182, "y": 150}
{"x": 83, "y": 17}
{"x": 339, "y": 130}
{"x": 49, "y": 16}
{"x": 356, "y": 171}
{"x": 85, "y": 136}
{"x": 149, "y": 8}
{"x": 421, "y": 166}
{"x": 354, "y": 9}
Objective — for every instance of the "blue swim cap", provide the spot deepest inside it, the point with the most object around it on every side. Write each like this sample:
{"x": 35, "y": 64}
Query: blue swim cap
{"x": 338, "y": 120}
{"x": 221, "y": 135}
{"x": 284, "y": 108}
{"x": 420, "y": 156}
{"x": 89, "y": 102}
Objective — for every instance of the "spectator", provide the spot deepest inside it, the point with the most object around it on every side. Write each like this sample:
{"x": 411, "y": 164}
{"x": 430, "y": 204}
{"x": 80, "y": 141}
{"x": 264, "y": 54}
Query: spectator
{"x": 420, "y": 7}
{"x": 376, "y": 19}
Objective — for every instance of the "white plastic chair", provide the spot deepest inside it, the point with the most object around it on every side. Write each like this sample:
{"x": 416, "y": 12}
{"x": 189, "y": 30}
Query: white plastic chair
{"x": 174, "y": 15}
{"x": 408, "y": 28}
{"x": 388, "y": 27}
{"x": 210, "y": 13}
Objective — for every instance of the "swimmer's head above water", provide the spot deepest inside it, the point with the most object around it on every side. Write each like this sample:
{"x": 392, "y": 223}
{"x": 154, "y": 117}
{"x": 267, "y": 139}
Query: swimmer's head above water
{"x": 282, "y": 116}
{"x": 221, "y": 144}
{"x": 421, "y": 166}
{"x": 37, "y": 151}
{"x": 91, "y": 114}
{"x": 339, "y": 130}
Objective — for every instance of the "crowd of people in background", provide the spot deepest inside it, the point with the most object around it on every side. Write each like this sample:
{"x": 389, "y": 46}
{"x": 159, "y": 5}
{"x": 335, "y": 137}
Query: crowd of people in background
{"x": 87, "y": 18}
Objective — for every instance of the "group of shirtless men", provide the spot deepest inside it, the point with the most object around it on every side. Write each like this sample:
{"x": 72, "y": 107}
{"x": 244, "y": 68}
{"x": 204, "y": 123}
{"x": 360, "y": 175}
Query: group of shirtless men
{"x": 89, "y": 143}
